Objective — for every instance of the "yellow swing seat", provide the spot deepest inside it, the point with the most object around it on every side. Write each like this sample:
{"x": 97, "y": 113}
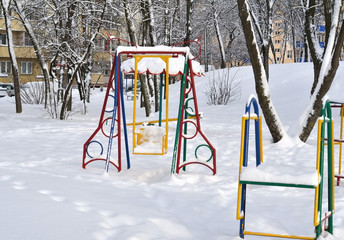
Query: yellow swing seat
{"x": 151, "y": 139}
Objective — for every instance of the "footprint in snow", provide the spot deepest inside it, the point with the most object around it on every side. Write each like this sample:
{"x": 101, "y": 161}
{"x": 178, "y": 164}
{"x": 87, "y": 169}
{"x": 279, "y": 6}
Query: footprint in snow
{"x": 82, "y": 206}
{"x": 19, "y": 185}
{"x": 5, "y": 178}
{"x": 52, "y": 195}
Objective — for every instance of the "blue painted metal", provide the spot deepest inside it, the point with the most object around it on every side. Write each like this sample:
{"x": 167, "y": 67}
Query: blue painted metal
{"x": 94, "y": 141}
{"x": 110, "y": 111}
{"x": 321, "y": 28}
{"x": 252, "y": 102}
{"x": 124, "y": 120}
{"x": 108, "y": 154}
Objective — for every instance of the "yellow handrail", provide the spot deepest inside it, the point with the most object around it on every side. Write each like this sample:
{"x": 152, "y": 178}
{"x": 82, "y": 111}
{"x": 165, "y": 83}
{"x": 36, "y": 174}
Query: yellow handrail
{"x": 243, "y": 123}
{"x": 277, "y": 235}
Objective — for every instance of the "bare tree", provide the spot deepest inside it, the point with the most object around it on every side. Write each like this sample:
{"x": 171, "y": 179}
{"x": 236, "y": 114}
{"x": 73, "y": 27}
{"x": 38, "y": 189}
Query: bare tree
{"x": 188, "y": 31}
{"x": 218, "y": 34}
{"x": 260, "y": 73}
{"x": 129, "y": 13}
{"x": 325, "y": 61}
{"x": 27, "y": 24}
{"x": 15, "y": 72}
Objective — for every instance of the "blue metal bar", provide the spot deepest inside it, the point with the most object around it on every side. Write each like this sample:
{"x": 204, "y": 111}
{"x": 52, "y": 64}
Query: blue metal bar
{"x": 124, "y": 120}
{"x": 252, "y": 102}
{"x": 108, "y": 154}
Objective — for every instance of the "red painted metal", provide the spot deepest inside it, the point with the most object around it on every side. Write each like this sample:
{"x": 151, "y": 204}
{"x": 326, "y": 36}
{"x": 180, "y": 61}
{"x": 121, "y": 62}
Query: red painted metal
{"x": 192, "y": 41}
{"x": 324, "y": 220}
{"x": 100, "y": 124}
{"x": 336, "y": 140}
{"x": 338, "y": 178}
{"x": 119, "y": 115}
{"x": 190, "y": 79}
{"x": 174, "y": 53}
{"x": 115, "y": 38}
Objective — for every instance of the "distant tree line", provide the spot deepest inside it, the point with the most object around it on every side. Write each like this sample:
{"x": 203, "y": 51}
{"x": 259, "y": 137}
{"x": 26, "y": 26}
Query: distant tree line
{"x": 65, "y": 35}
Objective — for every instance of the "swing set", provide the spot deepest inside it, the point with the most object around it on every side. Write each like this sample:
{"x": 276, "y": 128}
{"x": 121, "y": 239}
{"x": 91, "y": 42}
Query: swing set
{"x": 151, "y": 138}
{"x": 259, "y": 175}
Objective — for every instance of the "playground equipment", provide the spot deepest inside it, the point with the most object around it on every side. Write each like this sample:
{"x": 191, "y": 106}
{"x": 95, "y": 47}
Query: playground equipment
{"x": 339, "y": 141}
{"x": 152, "y": 138}
{"x": 260, "y": 177}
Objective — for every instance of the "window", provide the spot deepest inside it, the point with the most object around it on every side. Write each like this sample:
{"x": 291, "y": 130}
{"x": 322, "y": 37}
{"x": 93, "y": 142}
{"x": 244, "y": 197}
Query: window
{"x": 289, "y": 54}
{"x": 277, "y": 50}
{"x": 278, "y": 33}
{"x": 101, "y": 67}
{"x": 278, "y": 60}
{"x": 99, "y": 43}
{"x": 5, "y": 67}
{"x": 27, "y": 40}
{"x": 26, "y": 67}
{"x": 277, "y": 41}
{"x": 3, "y": 39}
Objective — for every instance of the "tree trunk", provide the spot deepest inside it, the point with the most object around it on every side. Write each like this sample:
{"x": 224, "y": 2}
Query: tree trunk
{"x": 144, "y": 23}
{"x": 52, "y": 73}
{"x": 294, "y": 43}
{"x": 205, "y": 50}
{"x": 175, "y": 16}
{"x": 312, "y": 112}
{"x": 219, "y": 36}
{"x": 166, "y": 15}
{"x": 188, "y": 21}
{"x": 15, "y": 71}
{"x": 312, "y": 42}
{"x": 145, "y": 94}
{"x": 272, "y": 120}
{"x": 130, "y": 24}
{"x": 39, "y": 54}
{"x": 150, "y": 13}
{"x": 66, "y": 98}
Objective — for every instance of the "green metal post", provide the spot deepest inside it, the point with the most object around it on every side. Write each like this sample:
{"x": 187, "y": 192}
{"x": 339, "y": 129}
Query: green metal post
{"x": 182, "y": 88}
{"x": 330, "y": 166}
{"x": 327, "y": 123}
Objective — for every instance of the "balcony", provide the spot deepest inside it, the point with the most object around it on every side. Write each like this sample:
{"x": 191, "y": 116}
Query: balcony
{"x": 26, "y": 52}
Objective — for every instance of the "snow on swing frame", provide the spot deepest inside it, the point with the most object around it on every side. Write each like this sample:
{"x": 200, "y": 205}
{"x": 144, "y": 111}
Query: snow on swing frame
{"x": 152, "y": 139}
{"x": 151, "y": 60}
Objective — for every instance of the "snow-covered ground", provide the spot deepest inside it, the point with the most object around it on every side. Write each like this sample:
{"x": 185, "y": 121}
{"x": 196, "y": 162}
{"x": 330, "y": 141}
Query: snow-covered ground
{"x": 46, "y": 194}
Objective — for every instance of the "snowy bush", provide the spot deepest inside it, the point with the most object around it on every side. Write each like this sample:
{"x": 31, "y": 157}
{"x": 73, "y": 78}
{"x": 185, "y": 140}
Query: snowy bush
{"x": 33, "y": 93}
{"x": 222, "y": 88}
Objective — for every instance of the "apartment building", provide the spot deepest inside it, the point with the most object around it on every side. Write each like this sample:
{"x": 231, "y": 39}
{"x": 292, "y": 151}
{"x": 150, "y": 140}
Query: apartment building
{"x": 283, "y": 47}
{"x": 29, "y": 69}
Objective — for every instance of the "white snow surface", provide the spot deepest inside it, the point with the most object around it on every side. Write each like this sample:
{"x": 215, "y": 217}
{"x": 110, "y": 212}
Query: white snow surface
{"x": 280, "y": 174}
{"x": 46, "y": 194}
{"x": 155, "y": 65}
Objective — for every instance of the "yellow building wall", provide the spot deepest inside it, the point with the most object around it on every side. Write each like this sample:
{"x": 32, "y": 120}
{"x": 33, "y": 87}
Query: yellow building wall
{"x": 281, "y": 47}
{"x": 27, "y": 54}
